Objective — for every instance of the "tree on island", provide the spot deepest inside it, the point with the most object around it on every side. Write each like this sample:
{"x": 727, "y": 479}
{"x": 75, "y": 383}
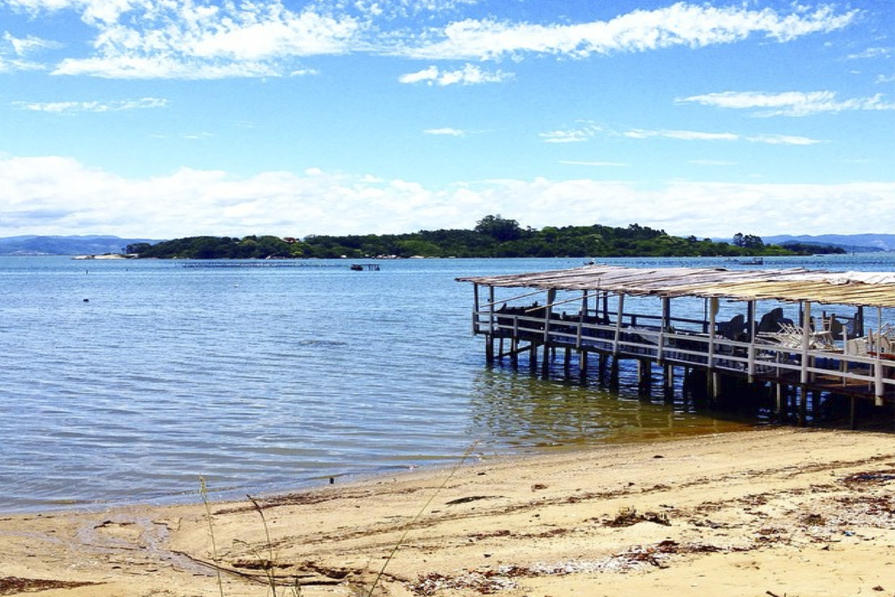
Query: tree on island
{"x": 748, "y": 241}
{"x": 493, "y": 236}
{"x": 500, "y": 229}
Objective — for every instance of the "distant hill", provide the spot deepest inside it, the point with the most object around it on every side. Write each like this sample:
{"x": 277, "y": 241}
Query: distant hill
{"x": 66, "y": 245}
{"x": 855, "y": 243}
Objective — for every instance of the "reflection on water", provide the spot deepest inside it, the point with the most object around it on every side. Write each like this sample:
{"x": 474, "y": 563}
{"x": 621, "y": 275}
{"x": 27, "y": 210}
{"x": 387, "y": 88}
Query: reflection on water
{"x": 527, "y": 412}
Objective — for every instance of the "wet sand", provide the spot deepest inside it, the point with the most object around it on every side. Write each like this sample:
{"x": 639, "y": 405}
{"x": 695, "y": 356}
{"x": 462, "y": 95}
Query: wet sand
{"x": 769, "y": 512}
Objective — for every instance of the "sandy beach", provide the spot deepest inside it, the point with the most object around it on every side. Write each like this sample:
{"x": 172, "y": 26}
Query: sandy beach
{"x": 769, "y": 512}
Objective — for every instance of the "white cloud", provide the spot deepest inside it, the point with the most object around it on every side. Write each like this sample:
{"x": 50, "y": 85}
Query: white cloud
{"x": 205, "y": 41}
{"x": 792, "y": 103}
{"x": 304, "y": 72}
{"x": 703, "y": 136}
{"x": 127, "y": 67}
{"x": 871, "y": 53}
{"x": 34, "y": 7}
{"x": 14, "y": 49}
{"x": 470, "y": 74}
{"x": 94, "y": 12}
{"x": 201, "y": 39}
{"x": 12, "y": 65}
{"x": 586, "y": 133}
{"x": 52, "y": 195}
{"x": 446, "y": 131}
{"x": 681, "y": 135}
{"x": 575, "y": 135}
{"x": 783, "y": 140}
{"x": 95, "y": 106}
{"x": 23, "y": 46}
{"x": 426, "y": 75}
{"x": 568, "y": 136}
{"x": 397, "y": 9}
{"x": 681, "y": 24}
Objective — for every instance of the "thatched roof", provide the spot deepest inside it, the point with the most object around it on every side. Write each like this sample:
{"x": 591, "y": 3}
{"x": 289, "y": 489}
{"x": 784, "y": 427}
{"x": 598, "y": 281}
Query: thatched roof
{"x": 836, "y": 288}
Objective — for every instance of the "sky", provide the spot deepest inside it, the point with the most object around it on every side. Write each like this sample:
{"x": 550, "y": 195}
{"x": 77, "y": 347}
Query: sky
{"x": 171, "y": 118}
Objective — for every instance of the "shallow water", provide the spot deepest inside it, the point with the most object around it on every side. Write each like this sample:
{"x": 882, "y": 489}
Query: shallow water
{"x": 126, "y": 381}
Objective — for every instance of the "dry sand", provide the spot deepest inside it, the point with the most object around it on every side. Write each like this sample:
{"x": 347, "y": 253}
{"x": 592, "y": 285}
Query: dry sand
{"x": 760, "y": 513}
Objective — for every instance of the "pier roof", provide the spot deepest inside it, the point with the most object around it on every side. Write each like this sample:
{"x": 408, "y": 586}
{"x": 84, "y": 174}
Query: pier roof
{"x": 876, "y": 289}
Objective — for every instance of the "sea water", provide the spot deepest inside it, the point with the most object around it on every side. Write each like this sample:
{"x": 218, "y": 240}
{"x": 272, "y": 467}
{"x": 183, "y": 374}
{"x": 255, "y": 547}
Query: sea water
{"x": 128, "y": 381}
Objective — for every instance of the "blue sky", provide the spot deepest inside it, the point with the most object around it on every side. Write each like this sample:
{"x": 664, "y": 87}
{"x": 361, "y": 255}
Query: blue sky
{"x": 163, "y": 119}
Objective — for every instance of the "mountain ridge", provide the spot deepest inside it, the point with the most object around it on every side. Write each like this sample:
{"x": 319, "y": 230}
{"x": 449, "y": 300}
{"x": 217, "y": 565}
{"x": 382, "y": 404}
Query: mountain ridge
{"x": 89, "y": 244}
{"x": 875, "y": 241}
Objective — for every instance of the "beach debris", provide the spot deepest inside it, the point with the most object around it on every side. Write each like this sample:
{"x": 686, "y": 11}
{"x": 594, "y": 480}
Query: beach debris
{"x": 492, "y": 580}
{"x": 485, "y": 583}
{"x": 870, "y": 477}
{"x": 12, "y": 585}
{"x": 814, "y": 520}
{"x": 629, "y": 516}
{"x": 472, "y": 498}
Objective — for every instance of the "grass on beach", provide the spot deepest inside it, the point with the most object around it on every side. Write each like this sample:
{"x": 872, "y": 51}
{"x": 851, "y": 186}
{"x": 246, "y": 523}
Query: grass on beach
{"x": 265, "y": 557}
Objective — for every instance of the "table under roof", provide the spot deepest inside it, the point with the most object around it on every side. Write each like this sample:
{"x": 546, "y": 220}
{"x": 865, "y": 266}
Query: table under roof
{"x": 869, "y": 289}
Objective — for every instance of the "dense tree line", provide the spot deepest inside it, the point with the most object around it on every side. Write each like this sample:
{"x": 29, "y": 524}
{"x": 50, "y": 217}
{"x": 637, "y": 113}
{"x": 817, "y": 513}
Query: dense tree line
{"x": 812, "y": 248}
{"x": 493, "y": 236}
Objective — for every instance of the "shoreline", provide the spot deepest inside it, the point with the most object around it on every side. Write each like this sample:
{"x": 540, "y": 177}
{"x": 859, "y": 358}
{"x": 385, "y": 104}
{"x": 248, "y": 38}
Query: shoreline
{"x": 780, "y": 511}
{"x": 321, "y": 479}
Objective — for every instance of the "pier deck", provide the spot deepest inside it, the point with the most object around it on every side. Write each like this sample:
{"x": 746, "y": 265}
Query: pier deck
{"x": 795, "y": 329}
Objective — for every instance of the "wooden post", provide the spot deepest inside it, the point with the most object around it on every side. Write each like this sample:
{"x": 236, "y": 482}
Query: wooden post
{"x": 475, "y": 310}
{"x": 859, "y": 322}
{"x": 879, "y": 389}
{"x": 806, "y": 341}
{"x": 750, "y": 319}
{"x": 548, "y": 314}
{"x": 751, "y": 363}
{"x": 878, "y": 379}
{"x": 601, "y": 368}
{"x": 613, "y": 373}
{"x": 489, "y": 345}
{"x": 618, "y": 323}
{"x": 582, "y": 316}
{"x": 644, "y": 376}
{"x": 713, "y": 313}
{"x": 803, "y": 406}
{"x": 669, "y": 382}
{"x": 664, "y": 326}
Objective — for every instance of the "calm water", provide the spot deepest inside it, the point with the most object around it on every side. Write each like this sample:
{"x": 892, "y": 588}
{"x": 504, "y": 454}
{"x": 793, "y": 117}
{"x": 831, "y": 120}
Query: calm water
{"x": 126, "y": 381}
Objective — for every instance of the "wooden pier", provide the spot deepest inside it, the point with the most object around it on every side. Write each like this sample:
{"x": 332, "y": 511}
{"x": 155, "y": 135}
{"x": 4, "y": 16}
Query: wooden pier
{"x": 795, "y": 335}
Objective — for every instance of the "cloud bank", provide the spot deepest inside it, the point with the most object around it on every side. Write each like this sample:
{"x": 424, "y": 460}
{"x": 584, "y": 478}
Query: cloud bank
{"x": 200, "y": 39}
{"x": 682, "y": 24}
{"x": 53, "y": 195}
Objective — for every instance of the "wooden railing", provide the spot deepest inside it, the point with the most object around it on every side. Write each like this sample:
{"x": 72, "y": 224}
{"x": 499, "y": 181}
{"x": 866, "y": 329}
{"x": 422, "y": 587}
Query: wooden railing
{"x": 690, "y": 348}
